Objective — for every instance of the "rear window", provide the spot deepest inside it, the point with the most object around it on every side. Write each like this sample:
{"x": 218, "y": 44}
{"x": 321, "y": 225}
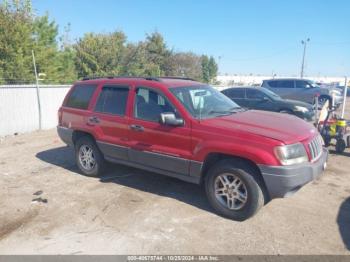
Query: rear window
{"x": 80, "y": 96}
{"x": 255, "y": 94}
{"x": 112, "y": 100}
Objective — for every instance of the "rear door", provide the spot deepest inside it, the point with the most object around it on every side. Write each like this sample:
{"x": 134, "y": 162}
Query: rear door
{"x": 110, "y": 122}
{"x": 284, "y": 88}
{"x": 155, "y": 145}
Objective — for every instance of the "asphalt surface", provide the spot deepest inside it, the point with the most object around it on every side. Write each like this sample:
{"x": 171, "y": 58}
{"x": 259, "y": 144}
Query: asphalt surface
{"x": 47, "y": 207}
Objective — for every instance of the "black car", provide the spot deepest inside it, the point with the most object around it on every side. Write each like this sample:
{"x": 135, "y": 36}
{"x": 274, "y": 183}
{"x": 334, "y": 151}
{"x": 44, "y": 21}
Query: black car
{"x": 260, "y": 98}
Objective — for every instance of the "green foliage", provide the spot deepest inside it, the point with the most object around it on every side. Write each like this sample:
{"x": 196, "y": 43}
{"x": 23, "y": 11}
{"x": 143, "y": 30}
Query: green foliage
{"x": 15, "y": 40}
{"x": 185, "y": 64}
{"x": 94, "y": 54}
{"x": 100, "y": 54}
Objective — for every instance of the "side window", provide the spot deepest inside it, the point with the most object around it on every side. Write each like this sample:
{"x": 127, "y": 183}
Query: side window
{"x": 80, "y": 96}
{"x": 150, "y": 104}
{"x": 302, "y": 84}
{"x": 286, "y": 84}
{"x": 255, "y": 94}
{"x": 273, "y": 83}
{"x": 112, "y": 100}
{"x": 235, "y": 93}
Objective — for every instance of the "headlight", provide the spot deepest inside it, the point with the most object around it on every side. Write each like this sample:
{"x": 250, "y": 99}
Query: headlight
{"x": 301, "y": 109}
{"x": 291, "y": 154}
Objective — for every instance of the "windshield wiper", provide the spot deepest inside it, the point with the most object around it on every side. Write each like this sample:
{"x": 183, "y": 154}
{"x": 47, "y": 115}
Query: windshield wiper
{"x": 227, "y": 112}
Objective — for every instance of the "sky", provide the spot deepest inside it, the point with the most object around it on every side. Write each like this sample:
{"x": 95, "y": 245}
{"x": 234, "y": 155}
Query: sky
{"x": 251, "y": 36}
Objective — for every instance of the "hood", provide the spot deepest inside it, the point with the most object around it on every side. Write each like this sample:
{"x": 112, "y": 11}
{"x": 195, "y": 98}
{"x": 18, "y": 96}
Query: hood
{"x": 298, "y": 103}
{"x": 285, "y": 128}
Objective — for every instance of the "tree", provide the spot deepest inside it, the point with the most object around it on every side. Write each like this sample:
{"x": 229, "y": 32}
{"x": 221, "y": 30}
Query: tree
{"x": 45, "y": 48}
{"x": 205, "y": 69}
{"x": 20, "y": 33}
{"x": 16, "y": 41}
{"x": 100, "y": 54}
{"x": 184, "y": 64}
{"x": 156, "y": 54}
{"x": 212, "y": 68}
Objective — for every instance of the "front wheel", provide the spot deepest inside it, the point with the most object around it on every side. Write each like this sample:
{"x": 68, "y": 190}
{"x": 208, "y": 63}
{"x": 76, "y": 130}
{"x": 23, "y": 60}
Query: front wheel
{"x": 234, "y": 189}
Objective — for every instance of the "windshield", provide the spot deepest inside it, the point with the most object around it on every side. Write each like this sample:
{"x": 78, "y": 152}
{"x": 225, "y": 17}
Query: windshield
{"x": 313, "y": 83}
{"x": 205, "y": 101}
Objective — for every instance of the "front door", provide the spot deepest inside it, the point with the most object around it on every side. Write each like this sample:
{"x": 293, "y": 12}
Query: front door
{"x": 258, "y": 100}
{"x": 155, "y": 145}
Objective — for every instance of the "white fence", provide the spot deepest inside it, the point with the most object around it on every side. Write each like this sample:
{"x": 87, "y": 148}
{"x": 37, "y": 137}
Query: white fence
{"x": 19, "y": 107}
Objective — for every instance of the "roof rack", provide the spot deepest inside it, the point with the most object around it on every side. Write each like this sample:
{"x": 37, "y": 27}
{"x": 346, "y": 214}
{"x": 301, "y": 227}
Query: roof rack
{"x": 177, "y": 77}
{"x": 141, "y": 77}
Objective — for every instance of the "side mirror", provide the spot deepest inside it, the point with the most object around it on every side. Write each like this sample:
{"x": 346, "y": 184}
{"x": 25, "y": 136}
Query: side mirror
{"x": 170, "y": 119}
{"x": 265, "y": 99}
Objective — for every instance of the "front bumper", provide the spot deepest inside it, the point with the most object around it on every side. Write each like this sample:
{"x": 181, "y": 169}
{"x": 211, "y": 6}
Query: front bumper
{"x": 282, "y": 181}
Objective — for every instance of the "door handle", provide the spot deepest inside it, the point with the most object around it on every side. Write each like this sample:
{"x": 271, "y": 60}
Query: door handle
{"x": 137, "y": 128}
{"x": 93, "y": 120}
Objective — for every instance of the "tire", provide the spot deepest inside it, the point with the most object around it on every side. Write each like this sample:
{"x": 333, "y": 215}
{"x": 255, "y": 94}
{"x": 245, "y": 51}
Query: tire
{"x": 251, "y": 188}
{"x": 340, "y": 145}
{"x": 94, "y": 163}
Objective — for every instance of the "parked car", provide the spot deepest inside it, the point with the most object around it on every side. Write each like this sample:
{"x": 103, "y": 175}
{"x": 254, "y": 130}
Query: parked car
{"x": 263, "y": 99}
{"x": 188, "y": 130}
{"x": 302, "y": 90}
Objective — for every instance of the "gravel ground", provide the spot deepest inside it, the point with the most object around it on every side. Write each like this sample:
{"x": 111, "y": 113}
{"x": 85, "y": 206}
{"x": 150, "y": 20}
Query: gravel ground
{"x": 47, "y": 207}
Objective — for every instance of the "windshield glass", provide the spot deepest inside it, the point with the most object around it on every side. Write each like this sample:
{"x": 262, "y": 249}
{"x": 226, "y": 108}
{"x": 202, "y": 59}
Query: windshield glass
{"x": 205, "y": 101}
{"x": 313, "y": 83}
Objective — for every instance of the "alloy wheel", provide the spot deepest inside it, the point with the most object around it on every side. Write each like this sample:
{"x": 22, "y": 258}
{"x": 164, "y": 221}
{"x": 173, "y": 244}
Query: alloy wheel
{"x": 86, "y": 157}
{"x": 230, "y": 191}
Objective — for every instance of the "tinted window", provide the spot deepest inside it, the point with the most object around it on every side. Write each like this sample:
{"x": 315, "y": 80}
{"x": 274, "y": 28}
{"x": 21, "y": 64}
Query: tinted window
{"x": 80, "y": 96}
{"x": 302, "y": 84}
{"x": 273, "y": 83}
{"x": 235, "y": 93}
{"x": 112, "y": 100}
{"x": 286, "y": 84}
{"x": 150, "y": 104}
{"x": 255, "y": 94}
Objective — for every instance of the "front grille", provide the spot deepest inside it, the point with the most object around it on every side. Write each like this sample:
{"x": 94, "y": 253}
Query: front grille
{"x": 315, "y": 147}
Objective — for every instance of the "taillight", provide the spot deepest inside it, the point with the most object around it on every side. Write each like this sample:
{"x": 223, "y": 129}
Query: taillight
{"x": 60, "y": 116}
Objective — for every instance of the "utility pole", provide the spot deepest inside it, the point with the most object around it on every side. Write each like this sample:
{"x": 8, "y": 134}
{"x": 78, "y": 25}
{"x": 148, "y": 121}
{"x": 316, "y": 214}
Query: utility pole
{"x": 37, "y": 89}
{"x": 344, "y": 97}
{"x": 304, "y": 43}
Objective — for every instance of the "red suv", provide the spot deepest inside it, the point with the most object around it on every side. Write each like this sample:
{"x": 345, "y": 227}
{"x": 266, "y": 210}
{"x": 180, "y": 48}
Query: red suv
{"x": 185, "y": 129}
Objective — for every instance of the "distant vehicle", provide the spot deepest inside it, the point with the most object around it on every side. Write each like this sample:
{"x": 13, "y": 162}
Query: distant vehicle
{"x": 303, "y": 90}
{"x": 263, "y": 99}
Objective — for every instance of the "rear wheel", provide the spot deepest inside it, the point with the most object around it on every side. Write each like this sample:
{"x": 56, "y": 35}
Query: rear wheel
{"x": 234, "y": 189}
{"x": 88, "y": 157}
